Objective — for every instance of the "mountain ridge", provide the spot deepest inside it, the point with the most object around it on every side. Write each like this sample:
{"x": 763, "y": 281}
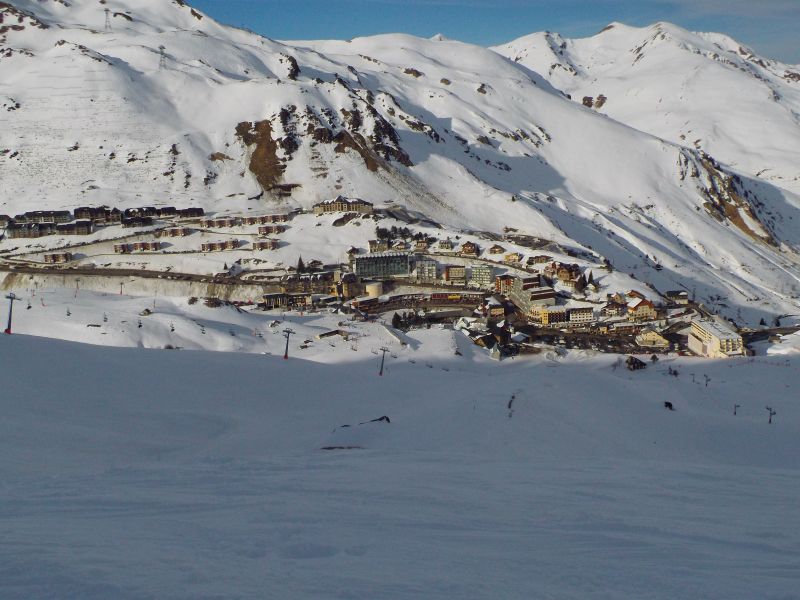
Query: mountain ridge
{"x": 469, "y": 138}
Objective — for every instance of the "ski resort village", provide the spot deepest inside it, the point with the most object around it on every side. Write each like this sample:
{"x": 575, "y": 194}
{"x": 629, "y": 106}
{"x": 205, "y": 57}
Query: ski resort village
{"x": 510, "y": 294}
{"x": 396, "y": 316}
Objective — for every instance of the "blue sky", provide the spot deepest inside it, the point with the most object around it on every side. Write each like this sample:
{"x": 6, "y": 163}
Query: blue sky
{"x": 768, "y": 26}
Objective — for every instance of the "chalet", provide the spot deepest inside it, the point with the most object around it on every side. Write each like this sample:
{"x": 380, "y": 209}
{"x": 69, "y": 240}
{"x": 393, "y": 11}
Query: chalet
{"x": 314, "y": 265}
{"x": 190, "y": 213}
{"x": 91, "y": 213}
{"x": 421, "y": 246}
{"x": 30, "y": 230}
{"x": 340, "y": 204}
{"x": 130, "y": 222}
{"x": 513, "y": 258}
{"x": 399, "y": 245}
{"x": 469, "y": 249}
{"x": 271, "y": 229}
{"x": 143, "y": 211}
{"x": 76, "y": 228}
{"x": 455, "y": 275}
{"x": 566, "y": 273}
{"x": 166, "y": 212}
{"x": 99, "y": 214}
{"x": 446, "y": 244}
{"x": 220, "y": 222}
{"x": 641, "y": 310}
{"x": 497, "y": 249}
{"x": 264, "y": 219}
{"x": 503, "y": 283}
{"x": 576, "y": 284}
{"x": 541, "y": 259}
{"x": 278, "y": 218}
{"x": 266, "y": 245}
{"x": 219, "y": 246}
{"x": 634, "y": 364}
{"x": 123, "y": 248}
{"x": 175, "y": 232}
{"x": 618, "y": 298}
{"x": 146, "y": 246}
{"x": 58, "y": 258}
{"x": 45, "y": 216}
{"x": 614, "y": 309}
{"x": 378, "y": 245}
{"x": 650, "y": 338}
{"x": 677, "y": 297}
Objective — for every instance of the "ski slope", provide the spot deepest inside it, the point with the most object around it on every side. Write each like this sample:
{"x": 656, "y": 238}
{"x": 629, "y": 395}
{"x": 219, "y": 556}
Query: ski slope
{"x": 184, "y": 474}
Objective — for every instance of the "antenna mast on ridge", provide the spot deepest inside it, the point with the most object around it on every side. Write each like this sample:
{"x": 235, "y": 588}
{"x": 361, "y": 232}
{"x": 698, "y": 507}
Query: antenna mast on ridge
{"x": 108, "y": 20}
{"x": 162, "y": 61}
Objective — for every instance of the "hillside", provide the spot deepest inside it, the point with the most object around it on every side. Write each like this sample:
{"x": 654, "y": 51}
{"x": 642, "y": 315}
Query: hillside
{"x": 236, "y": 122}
{"x": 703, "y": 91}
{"x": 138, "y": 474}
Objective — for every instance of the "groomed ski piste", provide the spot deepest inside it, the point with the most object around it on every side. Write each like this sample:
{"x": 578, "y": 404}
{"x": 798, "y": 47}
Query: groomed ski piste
{"x": 141, "y": 472}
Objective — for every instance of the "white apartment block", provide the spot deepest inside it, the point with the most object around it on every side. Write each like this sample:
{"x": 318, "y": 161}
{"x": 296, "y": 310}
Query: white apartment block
{"x": 715, "y": 339}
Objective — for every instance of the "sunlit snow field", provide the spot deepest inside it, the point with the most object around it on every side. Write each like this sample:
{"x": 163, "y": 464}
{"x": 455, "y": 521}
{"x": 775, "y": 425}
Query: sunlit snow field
{"x": 131, "y": 473}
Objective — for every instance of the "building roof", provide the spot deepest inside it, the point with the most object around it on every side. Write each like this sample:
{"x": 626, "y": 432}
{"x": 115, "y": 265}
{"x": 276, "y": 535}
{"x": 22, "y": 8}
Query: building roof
{"x": 343, "y": 199}
{"x": 382, "y": 255}
{"x": 717, "y": 328}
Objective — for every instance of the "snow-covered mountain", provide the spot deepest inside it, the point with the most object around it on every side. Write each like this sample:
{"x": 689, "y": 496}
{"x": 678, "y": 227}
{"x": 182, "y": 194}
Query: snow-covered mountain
{"x": 97, "y": 114}
{"x": 700, "y": 90}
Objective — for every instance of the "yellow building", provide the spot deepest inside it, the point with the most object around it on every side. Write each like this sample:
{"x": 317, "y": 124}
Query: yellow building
{"x": 650, "y": 338}
{"x": 715, "y": 339}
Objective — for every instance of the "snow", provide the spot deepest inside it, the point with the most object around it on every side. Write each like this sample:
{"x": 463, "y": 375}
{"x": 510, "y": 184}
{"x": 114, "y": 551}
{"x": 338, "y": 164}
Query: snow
{"x": 613, "y": 188}
{"x": 131, "y": 473}
{"x": 221, "y": 470}
{"x": 789, "y": 344}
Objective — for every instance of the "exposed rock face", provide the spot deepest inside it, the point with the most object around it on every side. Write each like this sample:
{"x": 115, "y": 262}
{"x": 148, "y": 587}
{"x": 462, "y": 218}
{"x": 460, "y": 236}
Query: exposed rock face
{"x": 264, "y": 162}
